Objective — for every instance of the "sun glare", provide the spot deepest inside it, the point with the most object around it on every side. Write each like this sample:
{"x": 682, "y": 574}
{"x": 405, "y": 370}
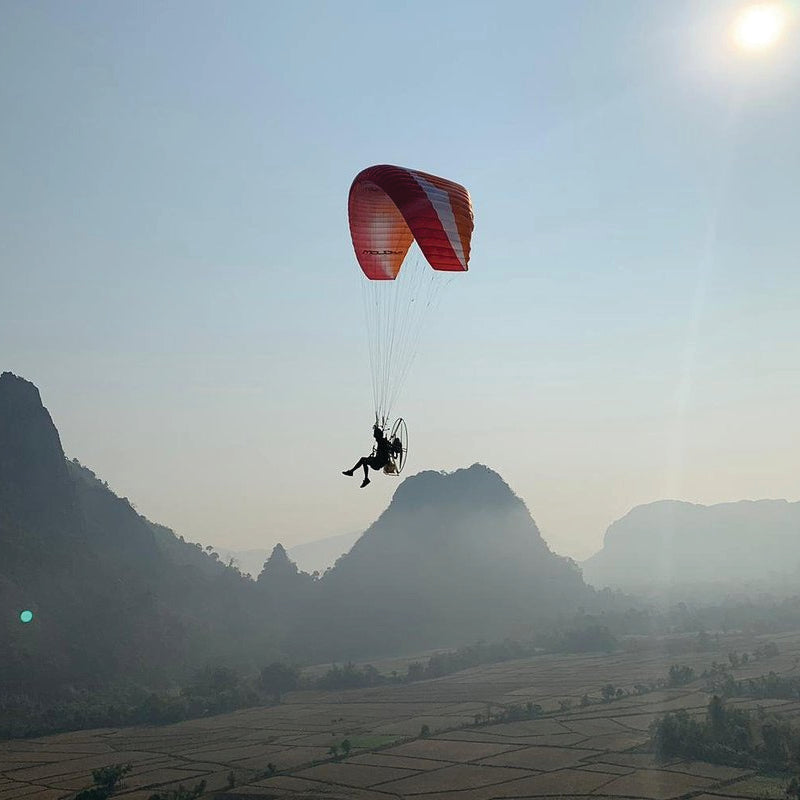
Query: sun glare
{"x": 759, "y": 27}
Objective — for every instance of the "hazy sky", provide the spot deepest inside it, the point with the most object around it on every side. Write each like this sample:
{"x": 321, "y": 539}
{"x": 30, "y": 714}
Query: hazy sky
{"x": 176, "y": 273}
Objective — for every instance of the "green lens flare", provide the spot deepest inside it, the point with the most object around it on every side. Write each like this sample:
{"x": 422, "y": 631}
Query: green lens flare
{"x": 26, "y": 616}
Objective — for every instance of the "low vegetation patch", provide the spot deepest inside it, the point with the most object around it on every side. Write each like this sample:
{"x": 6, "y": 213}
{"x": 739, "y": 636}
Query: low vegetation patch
{"x": 731, "y": 736}
{"x": 218, "y": 690}
{"x": 106, "y": 781}
{"x": 372, "y": 741}
{"x": 766, "y": 686}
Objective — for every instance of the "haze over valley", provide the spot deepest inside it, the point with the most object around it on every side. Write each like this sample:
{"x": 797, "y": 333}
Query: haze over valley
{"x": 400, "y": 401}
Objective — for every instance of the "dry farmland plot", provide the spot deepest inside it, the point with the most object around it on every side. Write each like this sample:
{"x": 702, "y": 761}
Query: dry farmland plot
{"x": 583, "y": 751}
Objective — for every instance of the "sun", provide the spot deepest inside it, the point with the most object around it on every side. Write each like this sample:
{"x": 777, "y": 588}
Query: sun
{"x": 759, "y": 27}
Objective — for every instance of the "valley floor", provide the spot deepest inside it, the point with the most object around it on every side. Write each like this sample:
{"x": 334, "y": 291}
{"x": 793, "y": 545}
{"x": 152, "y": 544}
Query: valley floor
{"x": 591, "y": 751}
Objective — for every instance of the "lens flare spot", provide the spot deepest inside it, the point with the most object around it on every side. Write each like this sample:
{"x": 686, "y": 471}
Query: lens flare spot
{"x": 26, "y": 616}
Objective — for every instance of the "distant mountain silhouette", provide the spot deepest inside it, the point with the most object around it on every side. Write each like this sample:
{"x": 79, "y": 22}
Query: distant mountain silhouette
{"x": 280, "y": 575}
{"x": 111, "y": 592}
{"x": 322, "y": 553}
{"x": 455, "y": 557}
{"x": 35, "y": 490}
{"x": 310, "y": 557}
{"x": 249, "y": 562}
{"x": 672, "y": 543}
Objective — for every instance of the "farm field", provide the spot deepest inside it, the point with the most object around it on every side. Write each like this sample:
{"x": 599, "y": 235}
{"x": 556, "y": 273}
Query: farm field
{"x": 575, "y": 751}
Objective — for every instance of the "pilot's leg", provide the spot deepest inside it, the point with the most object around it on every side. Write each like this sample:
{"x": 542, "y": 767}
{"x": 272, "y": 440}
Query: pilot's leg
{"x": 361, "y": 462}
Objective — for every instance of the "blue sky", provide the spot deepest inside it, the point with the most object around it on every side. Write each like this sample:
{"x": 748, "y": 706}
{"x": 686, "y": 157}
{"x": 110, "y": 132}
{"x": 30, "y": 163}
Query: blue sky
{"x": 176, "y": 273}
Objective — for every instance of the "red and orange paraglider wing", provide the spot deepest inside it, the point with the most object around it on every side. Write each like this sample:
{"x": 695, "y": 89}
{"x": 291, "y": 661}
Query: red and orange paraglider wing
{"x": 390, "y": 207}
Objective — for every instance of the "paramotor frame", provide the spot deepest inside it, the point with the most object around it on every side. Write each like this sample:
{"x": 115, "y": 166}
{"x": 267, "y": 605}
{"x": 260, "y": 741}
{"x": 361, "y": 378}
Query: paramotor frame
{"x": 398, "y": 439}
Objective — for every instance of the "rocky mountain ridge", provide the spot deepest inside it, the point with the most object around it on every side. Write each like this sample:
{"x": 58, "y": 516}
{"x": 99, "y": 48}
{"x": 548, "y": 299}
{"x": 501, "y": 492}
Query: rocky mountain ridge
{"x": 674, "y": 543}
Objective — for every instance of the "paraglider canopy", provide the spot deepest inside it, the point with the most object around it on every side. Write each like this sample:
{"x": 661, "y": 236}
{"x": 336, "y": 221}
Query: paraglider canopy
{"x": 390, "y": 208}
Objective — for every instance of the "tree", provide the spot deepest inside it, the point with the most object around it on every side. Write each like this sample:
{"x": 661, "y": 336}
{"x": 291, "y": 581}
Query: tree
{"x": 774, "y": 748}
{"x": 106, "y": 781}
{"x": 609, "y": 692}
{"x": 346, "y": 747}
{"x": 111, "y": 777}
{"x": 716, "y": 715}
{"x": 534, "y": 709}
{"x": 680, "y": 675}
{"x": 181, "y": 793}
{"x": 277, "y": 678}
{"x": 210, "y": 681}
